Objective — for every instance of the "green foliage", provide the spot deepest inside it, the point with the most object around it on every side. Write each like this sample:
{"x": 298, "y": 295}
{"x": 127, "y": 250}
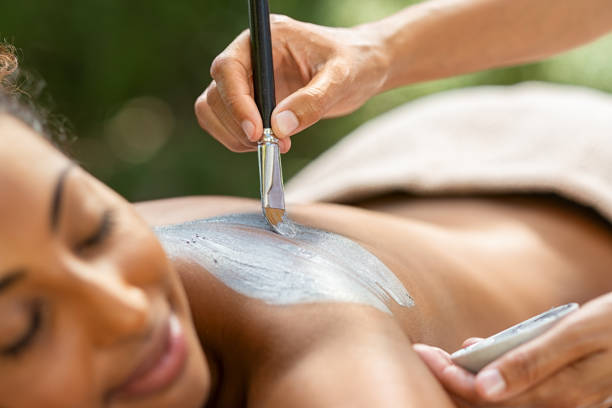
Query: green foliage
{"x": 126, "y": 73}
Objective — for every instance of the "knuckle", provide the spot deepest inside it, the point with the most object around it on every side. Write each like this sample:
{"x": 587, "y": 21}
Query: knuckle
{"x": 549, "y": 395}
{"x": 203, "y": 112}
{"x": 204, "y": 125}
{"x": 574, "y": 338}
{"x": 523, "y": 367}
{"x": 281, "y": 20}
{"x": 234, "y": 104}
{"x": 233, "y": 145}
{"x": 244, "y": 34}
{"x": 200, "y": 106}
{"x": 236, "y": 144}
{"x": 201, "y": 103}
{"x": 244, "y": 148}
{"x": 542, "y": 398}
{"x": 340, "y": 70}
{"x": 220, "y": 64}
{"x": 212, "y": 96}
{"x": 315, "y": 101}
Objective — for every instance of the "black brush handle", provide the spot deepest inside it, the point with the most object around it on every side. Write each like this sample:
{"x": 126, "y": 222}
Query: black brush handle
{"x": 261, "y": 57}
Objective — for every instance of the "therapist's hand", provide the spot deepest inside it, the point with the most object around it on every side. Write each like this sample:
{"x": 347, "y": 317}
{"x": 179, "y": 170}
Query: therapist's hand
{"x": 568, "y": 366}
{"x": 319, "y": 72}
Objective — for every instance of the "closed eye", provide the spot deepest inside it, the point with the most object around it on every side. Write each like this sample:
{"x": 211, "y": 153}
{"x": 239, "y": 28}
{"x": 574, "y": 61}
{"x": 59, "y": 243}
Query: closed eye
{"x": 104, "y": 231}
{"x": 24, "y": 341}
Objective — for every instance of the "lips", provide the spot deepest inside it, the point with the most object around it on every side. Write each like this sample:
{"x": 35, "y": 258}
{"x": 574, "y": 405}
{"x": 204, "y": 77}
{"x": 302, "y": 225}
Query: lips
{"x": 162, "y": 365}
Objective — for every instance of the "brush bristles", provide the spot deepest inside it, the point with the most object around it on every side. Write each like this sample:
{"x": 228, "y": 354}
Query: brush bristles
{"x": 274, "y": 215}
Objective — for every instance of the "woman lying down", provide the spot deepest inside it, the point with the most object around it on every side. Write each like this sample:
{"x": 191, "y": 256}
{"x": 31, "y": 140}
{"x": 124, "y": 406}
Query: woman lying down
{"x": 96, "y": 314}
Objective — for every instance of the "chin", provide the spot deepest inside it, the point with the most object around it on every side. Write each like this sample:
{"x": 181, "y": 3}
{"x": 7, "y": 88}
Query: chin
{"x": 191, "y": 389}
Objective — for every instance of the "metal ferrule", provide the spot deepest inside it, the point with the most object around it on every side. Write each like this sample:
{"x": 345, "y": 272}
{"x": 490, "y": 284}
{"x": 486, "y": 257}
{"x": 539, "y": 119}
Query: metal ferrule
{"x": 270, "y": 172}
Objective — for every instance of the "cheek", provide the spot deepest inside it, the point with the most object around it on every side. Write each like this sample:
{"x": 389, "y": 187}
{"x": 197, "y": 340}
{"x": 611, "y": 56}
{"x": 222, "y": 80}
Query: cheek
{"x": 140, "y": 257}
{"x": 57, "y": 372}
{"x": 13, "y": 323}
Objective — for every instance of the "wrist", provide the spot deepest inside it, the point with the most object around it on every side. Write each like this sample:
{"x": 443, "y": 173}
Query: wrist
{"x": 407, "y": 41}
{"x": 371, "y": 49}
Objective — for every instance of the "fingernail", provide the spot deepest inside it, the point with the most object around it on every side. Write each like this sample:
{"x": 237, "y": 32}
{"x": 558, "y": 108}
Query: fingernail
{"x": 287, "y": 122}
{"x": 492, "y": 382}
{"x": 249, "y": 130}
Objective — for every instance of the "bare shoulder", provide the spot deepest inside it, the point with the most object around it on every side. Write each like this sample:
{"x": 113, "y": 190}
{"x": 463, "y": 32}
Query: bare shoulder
{"x": 319, "y": 354}
{"x": 181, "y": 209}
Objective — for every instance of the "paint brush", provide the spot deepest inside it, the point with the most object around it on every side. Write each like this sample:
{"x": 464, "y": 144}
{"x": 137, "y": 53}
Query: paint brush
{"x": 270, "y": 171}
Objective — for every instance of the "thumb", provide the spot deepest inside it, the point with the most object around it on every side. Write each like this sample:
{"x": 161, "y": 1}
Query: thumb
{"x": 535, "y": 361}
{"x": 309, "y": 104}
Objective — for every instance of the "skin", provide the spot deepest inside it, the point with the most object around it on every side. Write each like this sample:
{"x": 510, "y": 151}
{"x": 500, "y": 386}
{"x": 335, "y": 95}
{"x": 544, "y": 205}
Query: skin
{"x": 453, "y": 256}
{"x": 567, "y": 366}
{"x": 323, "y": 72}
{"x": 102, "y": 305}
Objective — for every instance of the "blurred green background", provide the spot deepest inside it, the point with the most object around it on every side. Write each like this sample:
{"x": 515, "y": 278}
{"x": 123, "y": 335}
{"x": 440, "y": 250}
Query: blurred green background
{"x": 126, "y": 74}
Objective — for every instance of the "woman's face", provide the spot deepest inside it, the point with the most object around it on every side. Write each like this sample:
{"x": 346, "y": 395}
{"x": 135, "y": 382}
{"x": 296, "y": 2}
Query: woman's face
{"x": 91, "y": 312}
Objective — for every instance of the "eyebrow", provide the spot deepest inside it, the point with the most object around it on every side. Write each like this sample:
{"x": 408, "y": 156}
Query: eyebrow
{"x": 56, "y": 201}
{"x": 11, "y": 279}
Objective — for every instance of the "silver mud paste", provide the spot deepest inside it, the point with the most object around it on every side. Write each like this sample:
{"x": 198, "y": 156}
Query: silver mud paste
{"x": 308, "y": 265}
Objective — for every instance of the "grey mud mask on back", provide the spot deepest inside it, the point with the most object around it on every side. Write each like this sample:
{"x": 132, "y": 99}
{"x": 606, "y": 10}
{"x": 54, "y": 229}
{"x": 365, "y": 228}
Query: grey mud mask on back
{"x": 309, "y": 265}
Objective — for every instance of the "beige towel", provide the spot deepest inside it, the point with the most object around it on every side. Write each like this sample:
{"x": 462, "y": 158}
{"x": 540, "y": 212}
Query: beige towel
{"x": 532, "y": 137}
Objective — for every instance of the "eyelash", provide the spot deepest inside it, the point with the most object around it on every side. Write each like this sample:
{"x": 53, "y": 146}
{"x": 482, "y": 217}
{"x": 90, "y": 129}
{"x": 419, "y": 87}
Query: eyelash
{"x": 20, "y": 345}
{"x": 103, "y": 232}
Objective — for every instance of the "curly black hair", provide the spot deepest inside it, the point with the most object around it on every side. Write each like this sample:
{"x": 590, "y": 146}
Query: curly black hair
{"x": 18, "y": 100}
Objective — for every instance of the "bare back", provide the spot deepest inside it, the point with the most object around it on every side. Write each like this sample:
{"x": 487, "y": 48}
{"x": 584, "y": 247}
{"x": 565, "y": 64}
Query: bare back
{"x": 472, "y": 266}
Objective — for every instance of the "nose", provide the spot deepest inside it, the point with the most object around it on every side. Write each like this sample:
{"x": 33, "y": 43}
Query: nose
{"x": 113, "y": 310}
{"x": 121, "y": 311}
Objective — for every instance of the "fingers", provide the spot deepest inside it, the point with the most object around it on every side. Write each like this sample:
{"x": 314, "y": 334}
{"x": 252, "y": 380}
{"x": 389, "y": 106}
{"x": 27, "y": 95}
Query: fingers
{"x": 435, "y": 358}
{"x": 215, "y": 119}
{"x": 470, "y": 341}
{"x": 453, "y": 378}
{"x": 568, "y": 366}
{"x": 535, "y": 361}
{"x": 284, "y": 144}
{"x": 585, "y": 383}
{"x": 309, "y": 104}
{"x": 322, "y": 58}
{"x": 606, "y": 403}
{"x": 227, "y": 109}
{"x": 231, "y": 71}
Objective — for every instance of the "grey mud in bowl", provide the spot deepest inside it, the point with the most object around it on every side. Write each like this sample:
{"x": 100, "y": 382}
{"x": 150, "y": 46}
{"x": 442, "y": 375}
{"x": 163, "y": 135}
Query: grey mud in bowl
{"x": 477, "y": 356}
{"x": 307, "y": 266}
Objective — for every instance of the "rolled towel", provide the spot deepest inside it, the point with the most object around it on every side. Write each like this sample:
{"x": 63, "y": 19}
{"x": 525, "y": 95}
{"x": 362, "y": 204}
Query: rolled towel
{"x": 531, "y": 137}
